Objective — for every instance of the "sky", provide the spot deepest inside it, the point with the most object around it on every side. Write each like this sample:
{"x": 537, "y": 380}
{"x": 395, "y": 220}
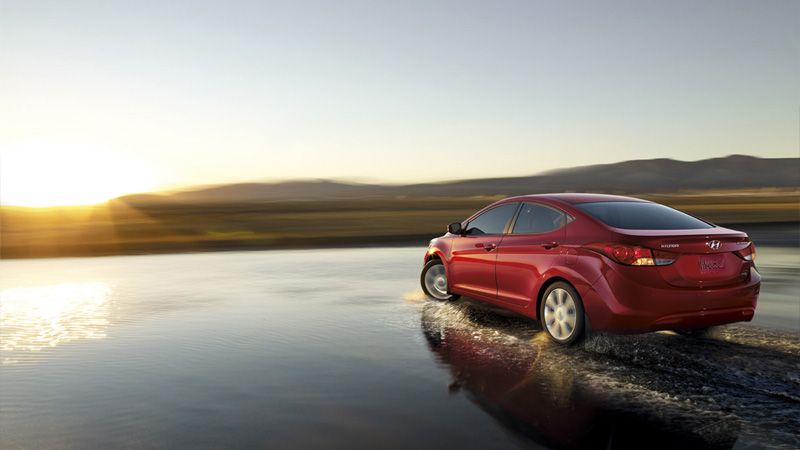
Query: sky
{"x": 113, "y": 97}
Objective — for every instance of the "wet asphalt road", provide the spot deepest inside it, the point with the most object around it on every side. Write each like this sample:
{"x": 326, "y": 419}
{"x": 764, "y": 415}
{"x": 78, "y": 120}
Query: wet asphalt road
{"x": 339, "y": 349}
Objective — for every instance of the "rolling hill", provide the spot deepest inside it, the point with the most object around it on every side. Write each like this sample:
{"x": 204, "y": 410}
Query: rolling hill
{"x": 637, "y": 176}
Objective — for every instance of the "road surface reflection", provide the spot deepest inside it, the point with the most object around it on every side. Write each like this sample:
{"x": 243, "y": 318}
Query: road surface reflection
{"x": 40, "y": 317}
{"x": 739, "y": 388}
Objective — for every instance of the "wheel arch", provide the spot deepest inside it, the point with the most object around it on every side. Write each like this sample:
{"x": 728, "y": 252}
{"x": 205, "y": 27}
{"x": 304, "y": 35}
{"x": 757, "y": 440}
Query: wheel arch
{"x": 436, "y": 254}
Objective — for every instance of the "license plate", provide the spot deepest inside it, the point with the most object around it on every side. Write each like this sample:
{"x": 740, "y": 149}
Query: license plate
{"x": 714, "y": 263}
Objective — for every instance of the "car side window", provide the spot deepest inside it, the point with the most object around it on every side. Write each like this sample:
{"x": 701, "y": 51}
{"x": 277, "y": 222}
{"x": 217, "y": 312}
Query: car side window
{"x": 534, "y": 219}
{"x": 493, "y": 221}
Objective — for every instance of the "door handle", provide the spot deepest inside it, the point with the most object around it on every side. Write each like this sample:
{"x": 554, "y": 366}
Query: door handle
{"x": 549, "y": 245}
{"x": 489, "y": 247}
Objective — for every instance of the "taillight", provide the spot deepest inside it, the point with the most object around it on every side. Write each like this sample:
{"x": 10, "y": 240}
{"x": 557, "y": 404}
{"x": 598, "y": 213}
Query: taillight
{"x": 632, "y": 255}
{"x": 748, "y": 253}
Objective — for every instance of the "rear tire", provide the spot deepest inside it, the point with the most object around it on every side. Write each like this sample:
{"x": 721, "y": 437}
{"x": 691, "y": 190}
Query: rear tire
{"x": 561, "y": 313}
{"x": 434, "y": 282}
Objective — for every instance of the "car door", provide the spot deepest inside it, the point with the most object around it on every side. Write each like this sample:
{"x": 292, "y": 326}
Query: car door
{"x": 530, "y": 249}
{"x": 472, "y": 266}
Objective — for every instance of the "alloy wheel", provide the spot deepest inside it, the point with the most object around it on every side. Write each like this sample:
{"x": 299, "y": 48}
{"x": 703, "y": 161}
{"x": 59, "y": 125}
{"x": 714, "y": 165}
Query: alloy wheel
{"x": 436, "y": 282}
{"x": 560, "y": 314}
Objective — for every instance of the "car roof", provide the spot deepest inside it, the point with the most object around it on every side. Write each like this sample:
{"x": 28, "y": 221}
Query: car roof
{"x": 575, "y": 198}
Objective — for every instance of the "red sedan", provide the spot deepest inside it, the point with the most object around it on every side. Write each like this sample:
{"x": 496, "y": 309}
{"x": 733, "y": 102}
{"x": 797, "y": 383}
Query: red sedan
{"x": 599, "y": 262}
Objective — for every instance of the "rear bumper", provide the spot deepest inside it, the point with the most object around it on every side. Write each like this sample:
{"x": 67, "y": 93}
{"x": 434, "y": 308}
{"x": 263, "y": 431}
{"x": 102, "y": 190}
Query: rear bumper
{"x": 630, "y": 300}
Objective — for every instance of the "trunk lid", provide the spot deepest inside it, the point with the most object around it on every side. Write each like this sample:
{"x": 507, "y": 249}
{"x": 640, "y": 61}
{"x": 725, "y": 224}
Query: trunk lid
{"x": 703, "y": 258}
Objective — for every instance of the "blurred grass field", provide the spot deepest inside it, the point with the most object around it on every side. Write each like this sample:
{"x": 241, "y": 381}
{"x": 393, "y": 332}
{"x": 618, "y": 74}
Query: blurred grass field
{"x": 118, "y": 227}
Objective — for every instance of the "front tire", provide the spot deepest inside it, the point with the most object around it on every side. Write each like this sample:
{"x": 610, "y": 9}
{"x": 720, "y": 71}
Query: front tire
{"x": 434, "y": 281}
{"x": 561, "y": 313}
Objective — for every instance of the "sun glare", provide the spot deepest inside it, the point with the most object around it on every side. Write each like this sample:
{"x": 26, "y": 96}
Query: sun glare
{"x": 57, "y": 175}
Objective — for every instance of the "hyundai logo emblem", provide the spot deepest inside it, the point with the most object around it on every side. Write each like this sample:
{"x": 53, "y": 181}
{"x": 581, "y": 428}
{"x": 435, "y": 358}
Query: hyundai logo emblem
{"x": 713, "y": 245}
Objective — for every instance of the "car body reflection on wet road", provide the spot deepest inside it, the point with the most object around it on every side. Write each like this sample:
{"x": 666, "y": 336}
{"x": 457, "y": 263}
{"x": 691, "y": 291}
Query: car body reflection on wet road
{"x": 727, "y": 391}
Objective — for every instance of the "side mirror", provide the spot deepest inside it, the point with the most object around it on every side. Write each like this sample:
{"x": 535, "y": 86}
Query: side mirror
{"x": 455, "y": 228}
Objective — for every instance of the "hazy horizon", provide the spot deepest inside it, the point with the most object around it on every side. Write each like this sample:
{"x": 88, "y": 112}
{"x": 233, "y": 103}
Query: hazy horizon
{"x": 103, "y": 99}
{"x": 388, "y": 182}
{"x": 377, "y": 182}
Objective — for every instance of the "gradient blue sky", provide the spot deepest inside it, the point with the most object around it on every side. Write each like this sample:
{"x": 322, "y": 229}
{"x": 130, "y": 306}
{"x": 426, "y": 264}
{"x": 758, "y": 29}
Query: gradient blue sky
{"x": 205, "y": 92}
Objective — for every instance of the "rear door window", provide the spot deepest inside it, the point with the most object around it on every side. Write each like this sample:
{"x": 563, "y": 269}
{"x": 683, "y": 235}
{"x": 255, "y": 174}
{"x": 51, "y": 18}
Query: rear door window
{"x": 535, "y": 219}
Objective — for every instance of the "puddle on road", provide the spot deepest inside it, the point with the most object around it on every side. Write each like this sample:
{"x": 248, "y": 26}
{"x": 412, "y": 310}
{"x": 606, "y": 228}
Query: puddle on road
{"x": 737, "y": 388}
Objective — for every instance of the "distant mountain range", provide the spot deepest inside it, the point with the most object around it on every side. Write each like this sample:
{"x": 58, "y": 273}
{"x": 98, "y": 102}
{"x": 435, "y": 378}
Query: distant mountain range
{"x": 637, "y": 176}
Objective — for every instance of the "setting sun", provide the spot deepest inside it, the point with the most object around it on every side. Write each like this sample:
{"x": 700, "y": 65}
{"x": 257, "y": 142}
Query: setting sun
{"x": 45, "y": 174}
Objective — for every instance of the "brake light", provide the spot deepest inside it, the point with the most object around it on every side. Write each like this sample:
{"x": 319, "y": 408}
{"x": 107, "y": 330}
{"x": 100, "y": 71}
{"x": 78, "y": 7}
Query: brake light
{"x": 632, "y": 255}
{"x": 748, "y": 253}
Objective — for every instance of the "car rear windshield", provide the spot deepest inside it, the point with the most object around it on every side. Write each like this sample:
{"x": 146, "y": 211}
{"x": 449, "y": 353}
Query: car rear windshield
{"x": 641, "y": 216}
